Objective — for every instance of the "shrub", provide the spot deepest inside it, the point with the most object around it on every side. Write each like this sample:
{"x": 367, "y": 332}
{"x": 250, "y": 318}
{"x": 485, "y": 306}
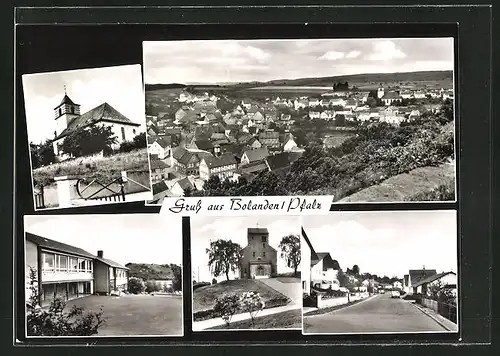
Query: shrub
{"x": 56, "y": 322}
{"x": 214, "y": 281}
{"x": 152, "y": 286}
{"x": 200, "y": 284}
{"x": 226, "y": 306}
{"x": 252, "y": 303}
{"x": 136, "y": 285}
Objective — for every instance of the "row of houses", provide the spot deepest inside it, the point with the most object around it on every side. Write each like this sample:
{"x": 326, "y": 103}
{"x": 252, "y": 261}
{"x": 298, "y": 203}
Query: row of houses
{"x": 70, "y": 272}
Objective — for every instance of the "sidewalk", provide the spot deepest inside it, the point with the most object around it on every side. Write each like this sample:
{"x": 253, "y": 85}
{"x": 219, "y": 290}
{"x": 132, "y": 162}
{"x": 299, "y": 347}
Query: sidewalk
{"x": 441, "y": 320}
{"x": 210, "y": 323}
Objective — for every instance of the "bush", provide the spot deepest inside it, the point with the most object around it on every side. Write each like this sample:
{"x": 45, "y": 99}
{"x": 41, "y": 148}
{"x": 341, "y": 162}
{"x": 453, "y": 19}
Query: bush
{"x": 214, "y": 281}
{"x": 200, "y": 284}
{"x": 152, "y": 286}
{"x": 252, "y": 303}
{"x": 136, "y": 285}
{"x": 226, "y": 306}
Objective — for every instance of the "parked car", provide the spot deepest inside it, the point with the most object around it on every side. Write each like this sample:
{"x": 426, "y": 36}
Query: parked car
{"x": 395, "y": 294}
{"x": 381, "y": 291}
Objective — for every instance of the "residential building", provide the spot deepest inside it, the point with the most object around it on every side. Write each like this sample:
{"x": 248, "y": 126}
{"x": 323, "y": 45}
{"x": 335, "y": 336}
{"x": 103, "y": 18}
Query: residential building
{"x": 65, "y": 271}
{"x": 397, "y": 285}
{"x": 69, "y": 121}
{"x": 159, "y": 170}
{"x": 160, "y": 146}
{"x": 391, "y": 97}
{"x": 289, "y": 143}
{"x": 270, "y": 139}
{"x": 441, "y": 280}
{"x": 222, "y": 166}
{"x": 181, "y": 186}
{"x": 259, "y": 259}
{"x": 109, "y": 275}
{"x": 253, "y": 155}
{"x": 185, "y": 162}
{"x": 414, "y": 276}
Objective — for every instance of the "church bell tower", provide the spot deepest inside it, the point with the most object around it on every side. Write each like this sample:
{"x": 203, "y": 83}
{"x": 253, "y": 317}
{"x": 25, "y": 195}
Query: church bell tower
{"x": 64, "y": 113}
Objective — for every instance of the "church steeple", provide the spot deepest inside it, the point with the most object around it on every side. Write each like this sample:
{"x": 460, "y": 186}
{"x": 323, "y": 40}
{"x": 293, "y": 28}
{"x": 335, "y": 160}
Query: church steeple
{"x": 65, "y": 112}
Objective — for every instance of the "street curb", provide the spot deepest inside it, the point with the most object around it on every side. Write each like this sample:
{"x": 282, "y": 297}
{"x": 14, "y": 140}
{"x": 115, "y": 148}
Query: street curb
{"x": 341, "y": 307}
{"x": 432, "y": 317}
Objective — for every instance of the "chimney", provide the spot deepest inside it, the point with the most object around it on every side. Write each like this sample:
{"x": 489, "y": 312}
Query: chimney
{"x": 99, "y": 253}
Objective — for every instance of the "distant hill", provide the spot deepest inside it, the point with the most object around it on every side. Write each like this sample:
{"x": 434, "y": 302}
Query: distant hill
{"x": 422, "y": 76}
{"x": 150, "y": 271}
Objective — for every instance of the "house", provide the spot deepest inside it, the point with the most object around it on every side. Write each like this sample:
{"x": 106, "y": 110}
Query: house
{"x": 181, "y": 186}
{"x": 391, "y": 97}
{"x": 259, "y": 259}
{"x": 289, "y": 143}
{"x": 270, "y": 139}
{"x": 109, "y": 275}
{"x": 250, "y": 170}
{"x": 185, "y": 162}
{"x": 160, "y": 146}
{"x": 203, "y": 144}
{"x": 300, "y": 104}
{"x": 159, "y": 170}
{"x": 160, "y": 191}
{"x": 279, "y": 163}
{"x": 414, "y": 276}
{"x": 222, "y": 166}
{"x": 397, "y": 285}
{"x": 69, "y": 121}
{"x": 314, "y": 114}
{"x": 440, "y": 280}
{"x": 179, "y": 114}
{"x": 323, "y": 269}
{"x": 253, "y": 155}
{"x": 62, "y": 270}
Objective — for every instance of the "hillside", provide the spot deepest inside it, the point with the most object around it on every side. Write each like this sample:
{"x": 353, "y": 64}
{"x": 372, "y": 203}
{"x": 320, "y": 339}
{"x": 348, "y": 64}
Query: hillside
{"x": 150, "y": 271}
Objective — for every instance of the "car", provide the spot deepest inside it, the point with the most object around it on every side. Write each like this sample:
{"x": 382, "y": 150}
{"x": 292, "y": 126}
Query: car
{"x": 395, "y": 294}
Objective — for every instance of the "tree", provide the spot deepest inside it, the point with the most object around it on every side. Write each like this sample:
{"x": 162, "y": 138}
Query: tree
{"x": 140, "y": 141}
{"x": 252, "y": 303}
{"x": 340, "y": 120}
{"x": 136, "y": 285}
{"x": 177, "y": 280}
{"x": 223, "y": 257}
{"x": 42, "y": 154}
{"x": 371, "y": 102}
{"x": 226, "y": 306}
{"x": 290, "y": 251}
{"x": 88, "y": 141}
{"x": 355, "y": 270}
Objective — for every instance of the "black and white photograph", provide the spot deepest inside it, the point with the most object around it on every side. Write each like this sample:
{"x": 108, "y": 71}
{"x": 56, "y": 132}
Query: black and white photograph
{"x": 246, "y": 273}
{"x": 87, "y": 136}
{"x": 361, "y": 120}
{"x": 103, "y": 275}
{"x": 380, "y": 272}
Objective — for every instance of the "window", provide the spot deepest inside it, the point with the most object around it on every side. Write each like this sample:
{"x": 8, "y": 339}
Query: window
{"x": 62, "y": 263}
{"x": 89, "y": 266}
{"x": 81, "y": 265}
{"x": 263, "y": 254}
{"x": 73, "y": 264}
{"x": 60, "y": 111}
{"x": 111, "y": 274}
{"x": 133, "y": 131}
{"x": 72, "y": 109}
{"x": 264, "y": 238}
{"x": 263, "y": 245}
{"x": 253, "y": 254}
{"x": 123, "y": 133}
{"x": 48, "y": 262}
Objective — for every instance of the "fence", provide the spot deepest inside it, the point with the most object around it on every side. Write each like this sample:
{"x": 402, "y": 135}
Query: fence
{"x": 39, "y": 199}
{"x": 449, "y": 311}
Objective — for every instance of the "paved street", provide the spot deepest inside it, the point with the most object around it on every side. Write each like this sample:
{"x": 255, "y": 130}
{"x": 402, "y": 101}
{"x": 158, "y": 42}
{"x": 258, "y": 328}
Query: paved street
{"x": 378, "y": 314}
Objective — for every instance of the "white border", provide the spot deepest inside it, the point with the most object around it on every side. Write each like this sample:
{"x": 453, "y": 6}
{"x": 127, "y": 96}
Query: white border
{"x": 27, "y": 337}
{"x": 299, "y": 307}
{"x": 454, "y": 71}
{"x": 458, "y": 274}
{"x": 28, "y": 139}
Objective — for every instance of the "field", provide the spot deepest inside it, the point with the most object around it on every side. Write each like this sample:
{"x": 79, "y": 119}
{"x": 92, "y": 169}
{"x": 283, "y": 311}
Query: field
{"x": 136, "y": 314}
{"x": 291, "y": 319}
{"x": 106, "y": 168}
{"x": 204, "y": 297}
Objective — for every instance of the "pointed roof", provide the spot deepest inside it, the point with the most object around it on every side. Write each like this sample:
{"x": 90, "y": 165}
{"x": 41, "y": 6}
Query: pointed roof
{"x": 101, "y": 113}
{"x": 66, "y": 100}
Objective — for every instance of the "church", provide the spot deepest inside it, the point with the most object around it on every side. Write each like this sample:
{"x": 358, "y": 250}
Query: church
{"x": 68, "y": 120}
{"x": 259, "y": 259}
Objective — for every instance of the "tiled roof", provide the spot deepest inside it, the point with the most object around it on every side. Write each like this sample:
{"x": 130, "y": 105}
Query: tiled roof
{"x": 159, "y": 187}
{"x": 391, "y": 95}
{"x": 103, "y": 112}
{"x": 431, "y": 278}
{"x": 257, "y": 230}
{"x": 278, "y": 161}
{"x": 257, "y": 154}
{"x": 269, "y": 134}
{"x": 57, "y": 246}
{"x": 416, "y": 275}
{"x": 185, "y": 183}
{"x": 253, "y": 167}
{"x": 204, "y": 144}
{"x": 158, "y": 164}
{"x": 110, "y": 263}
{"x": 223, "y": 160}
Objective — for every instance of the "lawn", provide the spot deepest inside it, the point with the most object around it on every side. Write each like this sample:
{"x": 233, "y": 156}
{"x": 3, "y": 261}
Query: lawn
{"x": 106, "y": 168}
{"x": 204, "y": 297}
{"x": 136, "y": 314}
{"x": 291, "y": 319}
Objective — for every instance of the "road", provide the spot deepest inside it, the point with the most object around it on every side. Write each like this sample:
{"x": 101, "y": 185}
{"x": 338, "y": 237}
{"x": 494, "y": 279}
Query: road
{"x": 375, "y": 315}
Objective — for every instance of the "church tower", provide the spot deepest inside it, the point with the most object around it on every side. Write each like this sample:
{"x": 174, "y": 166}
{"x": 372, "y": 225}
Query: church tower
{"x": 64, "y": 113}
{"x": 380, "y": 92}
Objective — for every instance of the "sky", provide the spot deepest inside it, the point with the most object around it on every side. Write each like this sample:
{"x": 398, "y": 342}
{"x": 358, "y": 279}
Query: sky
{"x": 119, "y": 86}
{"x": 387, "y": 243}
{"x": 212, "y": 61}
{"x": 124, "y": 238}
{"x": 234, "y": 228}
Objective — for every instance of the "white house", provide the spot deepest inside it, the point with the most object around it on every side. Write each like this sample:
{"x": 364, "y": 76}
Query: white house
{"x": 397, "y": 285}
{"x": 440, "y": 280}
{"x": 160, "y": 147}
{"x": 414, "y": 276}
{"x": 289, "y": 143}
{"x": 69, "y": 121}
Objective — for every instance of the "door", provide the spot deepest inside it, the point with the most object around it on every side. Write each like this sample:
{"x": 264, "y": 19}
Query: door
{"x": 261, "y": 271}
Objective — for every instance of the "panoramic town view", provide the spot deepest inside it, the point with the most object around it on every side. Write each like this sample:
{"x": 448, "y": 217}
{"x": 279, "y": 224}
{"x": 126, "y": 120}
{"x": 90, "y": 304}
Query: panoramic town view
{"x": 380, "y": 272}
{"x": 357, "y": 119}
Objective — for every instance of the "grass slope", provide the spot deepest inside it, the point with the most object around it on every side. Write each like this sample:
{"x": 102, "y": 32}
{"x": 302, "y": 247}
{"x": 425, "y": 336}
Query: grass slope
{"x": 204, "y": 297}
{"x": 291, "y": 319}
{"x": 150, "y": 271}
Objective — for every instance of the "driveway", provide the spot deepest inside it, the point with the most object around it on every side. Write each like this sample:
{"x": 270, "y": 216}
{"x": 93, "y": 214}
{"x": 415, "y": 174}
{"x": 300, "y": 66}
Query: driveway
{"x": 136, "y": 314}
{"x": 288, "y": 286}
{"x": 375, "y": 315}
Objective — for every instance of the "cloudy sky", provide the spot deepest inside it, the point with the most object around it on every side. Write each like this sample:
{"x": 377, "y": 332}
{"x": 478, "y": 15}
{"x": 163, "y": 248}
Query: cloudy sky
{"x": 387, "y": 243}
{"x": 222, "y": 61}
{"x": 124, "y": 238}
{"x": 234, "y": 228}
{"x": 120, "y": 86}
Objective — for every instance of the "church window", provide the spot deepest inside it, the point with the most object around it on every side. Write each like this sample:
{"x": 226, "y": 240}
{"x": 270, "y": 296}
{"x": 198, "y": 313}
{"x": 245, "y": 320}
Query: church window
{"x": 123, "y": 133}
{"x": 264, "y": 254}
{"x": 72, "y": 109}
{"x": 253, "y": 254}
{"x": 133, "y": 131}
{"x": 60, "y": 111}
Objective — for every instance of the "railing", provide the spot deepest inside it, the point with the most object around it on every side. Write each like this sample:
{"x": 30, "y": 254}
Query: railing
{"x": 116, "y": 196}
{"x": 447, "y": 310}
{"x": 39, "y": 199}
